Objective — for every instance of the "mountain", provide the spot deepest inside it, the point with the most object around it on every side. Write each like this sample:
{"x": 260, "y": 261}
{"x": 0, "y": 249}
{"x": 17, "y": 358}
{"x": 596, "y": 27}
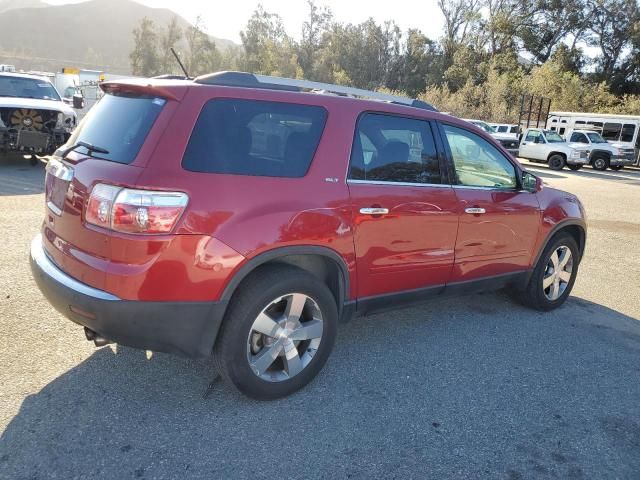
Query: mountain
{"x": 95, "y": 34}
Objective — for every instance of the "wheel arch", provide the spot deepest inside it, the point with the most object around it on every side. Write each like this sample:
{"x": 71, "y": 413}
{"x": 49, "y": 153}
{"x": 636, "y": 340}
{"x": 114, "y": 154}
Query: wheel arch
{"x": 551, "y": 154}
{"x": 575, "y": 227}
{"x": 600, "y": 153}
{"x": 323, "y": 262}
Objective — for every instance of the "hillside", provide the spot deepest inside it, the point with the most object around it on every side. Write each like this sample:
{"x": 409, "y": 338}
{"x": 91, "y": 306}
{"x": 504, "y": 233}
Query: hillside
{"x": 94, "y": 34}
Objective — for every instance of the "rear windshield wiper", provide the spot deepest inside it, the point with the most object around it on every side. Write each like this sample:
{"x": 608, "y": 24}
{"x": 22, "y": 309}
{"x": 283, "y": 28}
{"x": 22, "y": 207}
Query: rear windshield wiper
{"x": 90, "y": 148}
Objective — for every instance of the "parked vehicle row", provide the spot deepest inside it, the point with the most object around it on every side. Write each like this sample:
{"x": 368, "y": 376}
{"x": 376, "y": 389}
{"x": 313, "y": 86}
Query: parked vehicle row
{"x": 245, "y": 216}
{"x": 506, "y": 139}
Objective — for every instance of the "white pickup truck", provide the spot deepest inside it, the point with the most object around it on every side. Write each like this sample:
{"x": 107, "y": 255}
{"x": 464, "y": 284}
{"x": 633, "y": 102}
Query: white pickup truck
{"x": 546, "y": 146}
{"x": 603, "y": 154}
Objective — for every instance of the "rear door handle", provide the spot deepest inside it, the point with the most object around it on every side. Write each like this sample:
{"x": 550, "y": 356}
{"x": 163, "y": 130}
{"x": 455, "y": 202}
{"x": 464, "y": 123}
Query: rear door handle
{"x": 475, "y": 210}
{"x": 374, "y": 211}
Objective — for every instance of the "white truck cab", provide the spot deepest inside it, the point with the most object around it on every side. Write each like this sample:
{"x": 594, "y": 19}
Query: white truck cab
{"x": 603, "y": 154}
{"x": 546, "y": 146}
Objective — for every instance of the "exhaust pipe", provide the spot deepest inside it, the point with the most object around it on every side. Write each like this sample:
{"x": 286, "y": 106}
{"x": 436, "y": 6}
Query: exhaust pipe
{"x": 97, "y": 339}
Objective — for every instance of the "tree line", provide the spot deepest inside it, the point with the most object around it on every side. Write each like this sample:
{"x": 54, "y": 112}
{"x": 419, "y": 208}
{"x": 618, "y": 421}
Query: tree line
{"x": 583, "y": 54}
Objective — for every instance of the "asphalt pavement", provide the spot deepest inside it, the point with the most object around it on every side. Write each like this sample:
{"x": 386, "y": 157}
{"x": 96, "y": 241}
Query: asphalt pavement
{"x": 473, "y": 387}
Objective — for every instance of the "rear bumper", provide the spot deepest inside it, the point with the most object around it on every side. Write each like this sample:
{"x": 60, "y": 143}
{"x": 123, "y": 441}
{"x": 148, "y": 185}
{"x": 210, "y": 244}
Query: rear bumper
{"x": 186, "y": 328}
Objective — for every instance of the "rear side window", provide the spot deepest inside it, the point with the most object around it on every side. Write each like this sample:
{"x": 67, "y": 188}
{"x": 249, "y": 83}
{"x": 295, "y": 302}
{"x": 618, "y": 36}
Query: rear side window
{"x": 394, "y": 149}
{"x": 119, "y": 124}
{"x": 250, "y": 137}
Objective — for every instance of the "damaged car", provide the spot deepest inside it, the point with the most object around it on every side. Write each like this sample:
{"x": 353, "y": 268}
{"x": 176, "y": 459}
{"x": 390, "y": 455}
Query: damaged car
{"x": 33, "y": 118}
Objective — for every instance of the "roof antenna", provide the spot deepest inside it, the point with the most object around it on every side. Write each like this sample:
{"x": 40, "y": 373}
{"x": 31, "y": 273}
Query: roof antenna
{"x": 186, "y": 74}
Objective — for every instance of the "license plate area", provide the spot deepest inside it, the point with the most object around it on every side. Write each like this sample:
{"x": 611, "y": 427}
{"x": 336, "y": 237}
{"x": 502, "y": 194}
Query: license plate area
{"x": 57, "y": 182}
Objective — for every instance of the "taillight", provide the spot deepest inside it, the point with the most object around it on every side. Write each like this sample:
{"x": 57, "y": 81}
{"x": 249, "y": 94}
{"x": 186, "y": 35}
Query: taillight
{"x": 134, "y": 211}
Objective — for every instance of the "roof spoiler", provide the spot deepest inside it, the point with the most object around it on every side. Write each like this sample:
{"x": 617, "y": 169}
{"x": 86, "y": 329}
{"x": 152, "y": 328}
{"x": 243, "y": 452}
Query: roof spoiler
{"x": 142, "y": 87}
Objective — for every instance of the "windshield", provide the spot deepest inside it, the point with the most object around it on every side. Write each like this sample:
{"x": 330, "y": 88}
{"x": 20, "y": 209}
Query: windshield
{"x": 553, "y": 137}
{"x": 484, "y": 126}
{"x": 596, "y": 137}
{"x": 21, "y": 87}
{"x": 119, "y": 124}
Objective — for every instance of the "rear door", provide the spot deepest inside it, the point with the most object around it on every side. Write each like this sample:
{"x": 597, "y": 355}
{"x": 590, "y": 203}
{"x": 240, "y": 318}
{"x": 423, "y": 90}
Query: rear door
{"x": 403, "y": 209}
{"x": 499, "y": 221}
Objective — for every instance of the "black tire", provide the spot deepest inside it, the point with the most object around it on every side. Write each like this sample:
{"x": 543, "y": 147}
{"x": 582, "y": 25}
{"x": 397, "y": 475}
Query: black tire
{"x": 556, "y": 162}
{"x": 600, "y": 163}
{"x": 574, "y": 167}
{"x": 616, "y": 167}
{"x": 256, "y": 293}
{"x": 533, "y": 295}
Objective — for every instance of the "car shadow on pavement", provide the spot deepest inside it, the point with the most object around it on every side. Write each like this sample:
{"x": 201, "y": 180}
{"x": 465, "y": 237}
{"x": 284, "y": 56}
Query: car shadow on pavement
{"x": 18, "y": 177}
{"x": 466, "y": 388}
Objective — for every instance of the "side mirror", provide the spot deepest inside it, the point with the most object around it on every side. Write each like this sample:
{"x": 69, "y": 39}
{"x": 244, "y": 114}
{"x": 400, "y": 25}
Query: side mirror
{"x": 531, "y": 183}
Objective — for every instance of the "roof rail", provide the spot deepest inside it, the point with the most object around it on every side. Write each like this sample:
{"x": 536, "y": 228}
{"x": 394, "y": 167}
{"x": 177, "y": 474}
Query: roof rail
{"x": 250, "y": 80}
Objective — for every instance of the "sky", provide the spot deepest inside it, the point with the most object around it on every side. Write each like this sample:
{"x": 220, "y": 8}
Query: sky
{"x": 225, "y": 19}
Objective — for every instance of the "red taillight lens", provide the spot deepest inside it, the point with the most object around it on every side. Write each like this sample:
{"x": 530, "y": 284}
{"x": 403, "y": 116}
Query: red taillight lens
{"x": 135, "y": 211}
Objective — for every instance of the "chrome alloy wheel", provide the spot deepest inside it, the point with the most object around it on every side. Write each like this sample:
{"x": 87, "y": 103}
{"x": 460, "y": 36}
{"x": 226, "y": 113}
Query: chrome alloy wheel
{"x": 558, "y": 273}
{"x": 284, "y": 337}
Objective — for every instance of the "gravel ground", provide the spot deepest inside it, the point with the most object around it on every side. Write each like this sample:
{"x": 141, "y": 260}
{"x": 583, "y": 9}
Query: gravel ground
{"x": 475, "y": 387}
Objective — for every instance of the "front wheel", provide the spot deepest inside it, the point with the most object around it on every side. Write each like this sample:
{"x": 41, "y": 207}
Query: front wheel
{"x": 574, "y": 167}
{"x": 277, "y": 334}
{"x": 600, "y": 163}
{"x": 554, "y": 274}
{"x": 556, "y": 162}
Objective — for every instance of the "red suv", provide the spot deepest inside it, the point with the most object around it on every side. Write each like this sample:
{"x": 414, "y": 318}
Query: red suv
{"x": 245, "y": 216}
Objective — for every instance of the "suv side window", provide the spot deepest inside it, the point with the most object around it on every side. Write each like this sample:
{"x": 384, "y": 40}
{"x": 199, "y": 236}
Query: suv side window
{"x": 394, "y": 149}
{"x": 477, "y": 162}
{"x": 578, "y": 137}
{"x": 252, "y": 137}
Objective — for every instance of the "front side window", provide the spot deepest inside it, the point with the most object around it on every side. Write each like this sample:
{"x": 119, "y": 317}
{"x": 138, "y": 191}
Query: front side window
{"x": 394, "y": 149}
{"x": 611, "y": 131}
{"x": 533, "y": 136}
{"x": 477, "y": 162}
{"x": 578, "y": 137}
{"x": 251, "y": 137}
{"x": 596, "y": 138}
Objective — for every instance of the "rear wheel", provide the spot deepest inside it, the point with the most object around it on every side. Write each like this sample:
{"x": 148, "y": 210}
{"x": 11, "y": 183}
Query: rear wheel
{"x": 600, "y": 163}
{"x": 616, "y": 167}
{"x": 556, "y": 162}
{"x": 574, "y": 167}
{"x": 278, "y": 333}
{"x": 554, "y": 274}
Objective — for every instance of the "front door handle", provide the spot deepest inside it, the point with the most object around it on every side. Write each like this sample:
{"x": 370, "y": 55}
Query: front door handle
{"x": 374, "y": 211}
{"x": 475, "y": 210}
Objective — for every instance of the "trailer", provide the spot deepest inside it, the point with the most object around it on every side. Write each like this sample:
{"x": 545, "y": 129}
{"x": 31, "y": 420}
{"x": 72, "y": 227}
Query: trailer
{"x": 619, "y": 129}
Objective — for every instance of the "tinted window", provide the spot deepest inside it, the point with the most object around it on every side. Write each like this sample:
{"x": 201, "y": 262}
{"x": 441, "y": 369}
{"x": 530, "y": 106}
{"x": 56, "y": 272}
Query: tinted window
{"x": 502, "y": 128}
{"x": 394, "y": 149}
{"x": 119, "y": 124}
{"x": 578, "y": 137}
{"x": 477, "y": 162}
{"x": 611, "y": 131}
{"x": 250, "y": 137}
{"x": 628, "y": 129}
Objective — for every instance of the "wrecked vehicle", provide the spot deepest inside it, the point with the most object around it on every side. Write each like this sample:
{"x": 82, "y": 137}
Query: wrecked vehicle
{"x": 33, "y": 118}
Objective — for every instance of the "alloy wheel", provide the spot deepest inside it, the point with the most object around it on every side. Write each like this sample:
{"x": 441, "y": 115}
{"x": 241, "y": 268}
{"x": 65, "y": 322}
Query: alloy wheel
{"x": 558, "y": 273}
{"x": 284, "y": 337}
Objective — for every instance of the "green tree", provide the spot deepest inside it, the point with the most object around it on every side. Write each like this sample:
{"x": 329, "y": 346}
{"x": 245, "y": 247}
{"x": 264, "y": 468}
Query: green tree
{"x": 169, "y": 39}
{"x": 144, "y": 58}
{"x": 203, "y": 56}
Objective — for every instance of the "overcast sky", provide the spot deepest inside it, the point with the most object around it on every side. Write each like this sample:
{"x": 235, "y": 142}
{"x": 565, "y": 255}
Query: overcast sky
{"x": 225, "y": 19}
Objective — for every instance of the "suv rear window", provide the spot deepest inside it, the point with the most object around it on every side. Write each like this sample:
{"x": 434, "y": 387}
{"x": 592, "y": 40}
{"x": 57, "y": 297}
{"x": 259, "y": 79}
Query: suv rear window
{"x": 251, "y": 137}
{"x": 118, "y": 123}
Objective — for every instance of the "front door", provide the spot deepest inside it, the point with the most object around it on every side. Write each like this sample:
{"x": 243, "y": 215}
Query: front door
{"x": 499, "y": 222}
{"x": 404, "y": 214}
{"x": 530, "y": 146}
